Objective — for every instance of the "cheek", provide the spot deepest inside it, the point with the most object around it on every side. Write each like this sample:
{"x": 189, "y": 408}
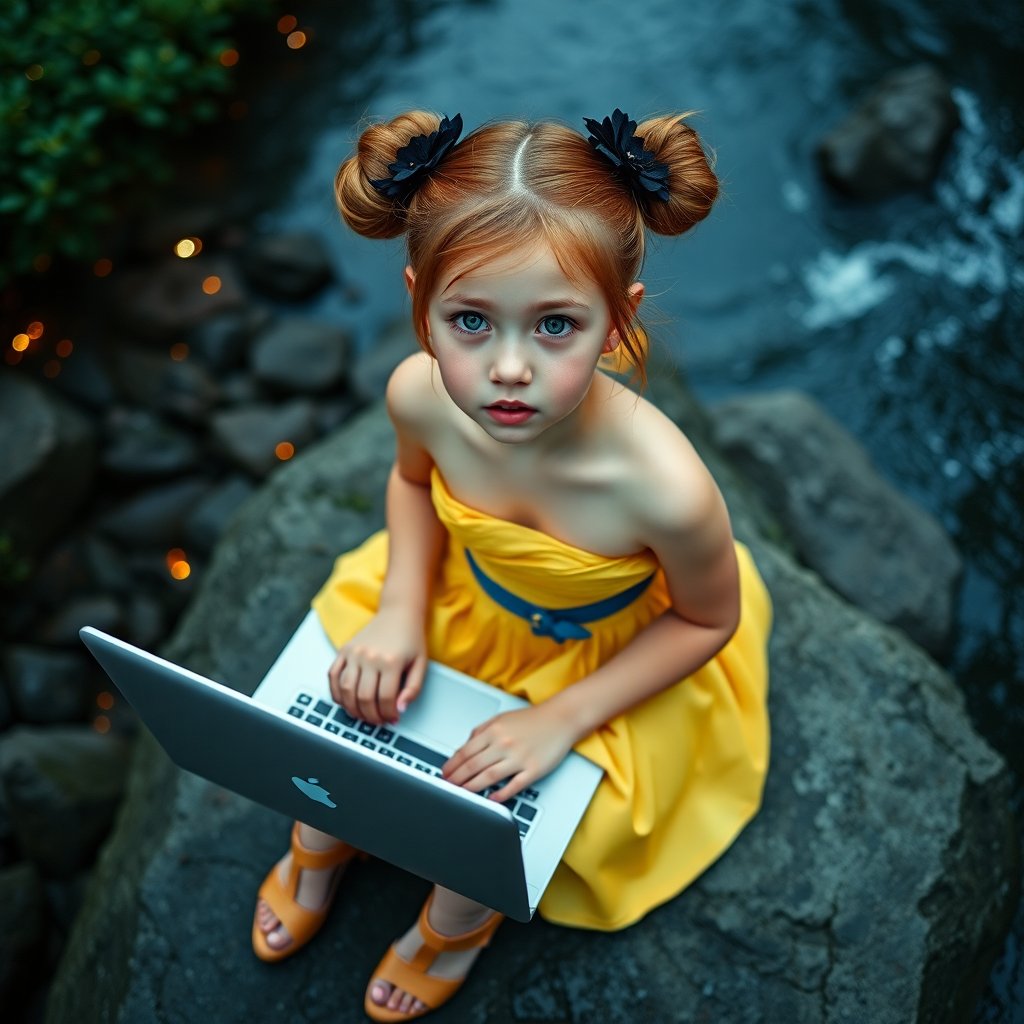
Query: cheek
{"x": 570, "y": 377}
{"x": 458, "y": 372}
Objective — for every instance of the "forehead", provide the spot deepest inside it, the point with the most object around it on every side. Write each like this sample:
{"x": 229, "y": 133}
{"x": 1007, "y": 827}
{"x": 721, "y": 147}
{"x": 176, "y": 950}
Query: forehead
{"x": 530, "y": 269}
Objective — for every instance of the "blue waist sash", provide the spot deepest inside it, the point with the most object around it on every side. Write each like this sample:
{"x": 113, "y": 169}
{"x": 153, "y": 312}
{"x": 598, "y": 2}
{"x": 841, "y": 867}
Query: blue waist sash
{"x": 558, "y": 623}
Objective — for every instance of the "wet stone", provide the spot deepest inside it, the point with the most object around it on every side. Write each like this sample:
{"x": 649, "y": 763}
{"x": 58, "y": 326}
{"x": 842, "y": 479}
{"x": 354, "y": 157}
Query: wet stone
{"x": 248, "y": 435}
{"x": 290, "y": 265}
{"x": 154, "y": 380}
{"x": 895, "y": 139}
{"x": 301, "y": 356}
{"x": 213, "y": 513}
{"x": 220, "y": 342}
{"x": 145, "y": 621}
{"x": 372, "y": 368}
{"x": 84, "y": 377}
{"x": 60, "y": 628}
{"x": 63, "y": 785}
{"x": 47, "y": 686}
{"x": 157, "y": 516}
{"x": 139, "y": 443}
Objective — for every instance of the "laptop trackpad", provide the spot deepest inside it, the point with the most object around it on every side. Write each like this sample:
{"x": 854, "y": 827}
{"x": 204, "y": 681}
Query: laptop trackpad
{"x": 447, "y": 713}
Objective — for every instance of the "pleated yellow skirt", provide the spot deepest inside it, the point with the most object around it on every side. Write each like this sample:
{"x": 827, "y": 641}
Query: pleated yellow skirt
{"x": 684, "y": 770}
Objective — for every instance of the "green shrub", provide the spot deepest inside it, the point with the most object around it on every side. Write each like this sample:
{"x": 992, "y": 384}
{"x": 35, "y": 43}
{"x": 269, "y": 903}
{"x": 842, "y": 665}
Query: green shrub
{"x": 91, "y": 97}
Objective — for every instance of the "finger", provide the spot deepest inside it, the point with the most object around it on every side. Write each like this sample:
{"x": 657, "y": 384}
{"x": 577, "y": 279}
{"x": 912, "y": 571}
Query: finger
{"x": 496, "y": 772}
{"x": 413, "y": 682}
{"x": 387, "y": 692}
{"x": 515, "y": 785}
{"x": 348, "y": 684}
{"x": 334, "y": 678}
{"x": 366, "y": 696}
{"x": 471, "y": 748}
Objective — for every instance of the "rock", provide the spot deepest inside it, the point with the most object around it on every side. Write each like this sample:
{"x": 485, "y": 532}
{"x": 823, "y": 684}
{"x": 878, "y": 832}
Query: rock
{"x": 211, "y": 516}
{"x": 47, "y": 686}
{"x": 220, "y": 342}
{"x": 164, "y": 301}
{"x": 85, "y": 378}
{"x": 883, "y": 853}
{"x": 60, "y": 628}
{"x": 22, "y": 932}
{"x": 145, "y": 622}
{"x": 373, "y": 367}
{"x": 289, "y": 265}
{"x": 48, "y": 465}
{"x": 156, "y": 381}
{"x": 249, "y": 435}
{"x": 897, "y": 137}
{"x": 140, "y": 445}
{"x": 242, "y": 389}
{"x": 869, "y": 543}
{"x": 301, "y": 356}
{"x": 157, "y": 515}
{"x": 62, "y": 786}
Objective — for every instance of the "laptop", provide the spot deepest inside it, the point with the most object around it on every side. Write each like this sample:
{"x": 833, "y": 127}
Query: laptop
{"x": 376, "y": 787}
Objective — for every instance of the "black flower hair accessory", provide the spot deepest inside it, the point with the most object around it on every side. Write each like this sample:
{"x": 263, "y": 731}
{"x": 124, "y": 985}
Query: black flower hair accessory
{"x": 616, "y": 140}
{"x": 417, "y": 159}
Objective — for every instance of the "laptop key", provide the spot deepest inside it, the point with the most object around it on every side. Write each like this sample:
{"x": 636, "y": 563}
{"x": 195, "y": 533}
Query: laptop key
{"x": 368, "y": 743}
{"x": 404, "y": 760}
{"x": 341, "y": 715}
{"x": 527, "y": 812}
{"x": 510, "y": 804}
{"x": 385, "y": 735}
{"x": 408, "y": 746}
{"x": 422, "y": 768}
{"x": 348, "y": 735}
{"x": 303, "y": 698}
{"x": 386, "y": 751}
{"x": 530, "y": 794}
{"x": 333, "y": 727}
{"x": 523, "y": 827}
{"x": 314, "y": 719}
{"x": 366, "y": 728}
{"x": 296, "y": 712}
{"x": 322, "y": 708}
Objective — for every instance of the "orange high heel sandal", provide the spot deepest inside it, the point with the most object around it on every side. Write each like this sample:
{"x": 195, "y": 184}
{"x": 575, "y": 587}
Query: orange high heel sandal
{"x": 411, "y": 975}
{"x": 301, "y": 922}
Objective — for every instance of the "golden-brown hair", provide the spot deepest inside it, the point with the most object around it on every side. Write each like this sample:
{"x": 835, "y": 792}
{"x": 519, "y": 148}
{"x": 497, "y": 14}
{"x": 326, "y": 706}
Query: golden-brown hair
{"x": 509, "y": 183}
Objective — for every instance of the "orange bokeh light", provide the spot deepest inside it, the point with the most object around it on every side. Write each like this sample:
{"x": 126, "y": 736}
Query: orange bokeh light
{"x": 179, "y": 351}
{"x": 211, "y": 284}
{"x": 101, "y": 723}
{"x": 105, "y": 700}
{"x": 11, "y": 357}
{"x": 102, "y": 267}
{"x": 51, "y": 368}
{"x": 20, "y": 342}
{"x": 65, "y": 347}
{"x": 286, "y": 23}
{"x": 91, "y": 57}
{"x": 34, "y": 330}
{"x": 284, "y": 450}
{"x": 181, "y": 570}
{"x": 229, "y": 58}
{"x": 296, "y": 40}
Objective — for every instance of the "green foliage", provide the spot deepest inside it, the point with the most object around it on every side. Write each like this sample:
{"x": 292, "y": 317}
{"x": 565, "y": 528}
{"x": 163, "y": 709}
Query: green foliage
{"x": 91, "y": 99}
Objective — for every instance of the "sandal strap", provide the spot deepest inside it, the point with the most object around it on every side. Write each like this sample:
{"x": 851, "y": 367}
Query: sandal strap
{"x": 433, "y": 940}
{"x": 304, "y": 857}
{"x": 428, "y": 988}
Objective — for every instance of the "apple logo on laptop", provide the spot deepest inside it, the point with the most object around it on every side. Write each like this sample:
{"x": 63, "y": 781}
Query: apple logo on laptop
{"x": 313, "y": 790}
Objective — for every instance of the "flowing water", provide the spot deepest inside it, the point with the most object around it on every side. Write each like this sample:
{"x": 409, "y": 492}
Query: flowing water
{"x": 903, "y": 318}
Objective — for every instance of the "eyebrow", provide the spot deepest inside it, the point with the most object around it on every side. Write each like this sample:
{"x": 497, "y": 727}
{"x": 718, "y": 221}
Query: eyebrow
{"x": 540, "y": 307}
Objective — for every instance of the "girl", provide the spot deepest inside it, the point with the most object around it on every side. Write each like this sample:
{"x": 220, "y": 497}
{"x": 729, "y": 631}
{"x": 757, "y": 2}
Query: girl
{"x": 523, "y": 468}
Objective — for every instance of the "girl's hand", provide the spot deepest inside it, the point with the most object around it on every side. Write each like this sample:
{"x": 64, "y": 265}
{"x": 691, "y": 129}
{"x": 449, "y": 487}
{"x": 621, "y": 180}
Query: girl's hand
{"x": 521, "y": 746}
{"x": 366, "y": 676}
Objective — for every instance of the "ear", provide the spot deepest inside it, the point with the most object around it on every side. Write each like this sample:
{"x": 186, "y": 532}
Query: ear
{"x": 410, "y": 279}
{"x": 635, "y": 293}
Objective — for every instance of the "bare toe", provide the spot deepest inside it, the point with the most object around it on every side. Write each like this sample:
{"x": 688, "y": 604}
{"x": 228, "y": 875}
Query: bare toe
{"x": 380, "y": 992}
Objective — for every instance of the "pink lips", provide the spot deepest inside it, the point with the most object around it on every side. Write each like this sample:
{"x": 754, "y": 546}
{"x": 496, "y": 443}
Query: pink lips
{"x": 508, "y": 414}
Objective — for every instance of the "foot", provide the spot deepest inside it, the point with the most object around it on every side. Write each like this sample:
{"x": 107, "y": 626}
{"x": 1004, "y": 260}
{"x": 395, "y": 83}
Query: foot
{"x": 449, "y": 914}
{"x": 312, "y": 892}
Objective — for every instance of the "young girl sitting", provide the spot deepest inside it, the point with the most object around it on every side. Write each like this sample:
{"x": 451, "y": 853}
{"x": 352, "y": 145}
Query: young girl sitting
{"x": 523, "y": 466}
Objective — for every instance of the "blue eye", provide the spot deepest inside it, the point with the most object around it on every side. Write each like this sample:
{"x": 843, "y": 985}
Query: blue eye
{"x": 556, "y": 326}
{"x": 469, "y": 323}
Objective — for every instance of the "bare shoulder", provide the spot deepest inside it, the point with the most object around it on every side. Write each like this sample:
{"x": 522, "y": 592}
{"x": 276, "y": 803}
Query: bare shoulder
{"x": 411, "y": 393}
{"x": 669, "y": 490}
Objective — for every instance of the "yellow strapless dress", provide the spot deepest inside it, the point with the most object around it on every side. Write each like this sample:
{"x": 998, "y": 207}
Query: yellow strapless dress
{"x": 683, "y": 771}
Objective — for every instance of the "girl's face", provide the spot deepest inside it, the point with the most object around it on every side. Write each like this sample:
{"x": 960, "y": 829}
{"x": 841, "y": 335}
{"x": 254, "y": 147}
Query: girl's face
{"x": 517, "y": 342}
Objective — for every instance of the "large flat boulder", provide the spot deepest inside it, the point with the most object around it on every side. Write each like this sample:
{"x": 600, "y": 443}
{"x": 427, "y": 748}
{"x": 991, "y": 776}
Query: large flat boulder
{"x": 874, "y": 886}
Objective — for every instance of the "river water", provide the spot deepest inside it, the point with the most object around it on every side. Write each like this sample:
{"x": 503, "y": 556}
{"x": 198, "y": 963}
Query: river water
{"x": 903, "y": 318}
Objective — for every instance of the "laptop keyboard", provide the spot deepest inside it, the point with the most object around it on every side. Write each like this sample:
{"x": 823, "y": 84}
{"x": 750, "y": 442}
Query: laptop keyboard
{"x": 334, "y": 719}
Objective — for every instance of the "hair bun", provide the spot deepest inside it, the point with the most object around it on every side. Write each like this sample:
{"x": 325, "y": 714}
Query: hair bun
{"x": 692, "y": 184}
{"x": 364, "y": 208}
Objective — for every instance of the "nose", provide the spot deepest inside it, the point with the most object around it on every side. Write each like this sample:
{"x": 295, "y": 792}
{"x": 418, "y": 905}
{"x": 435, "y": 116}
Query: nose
{"x": 511, "y": 363}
